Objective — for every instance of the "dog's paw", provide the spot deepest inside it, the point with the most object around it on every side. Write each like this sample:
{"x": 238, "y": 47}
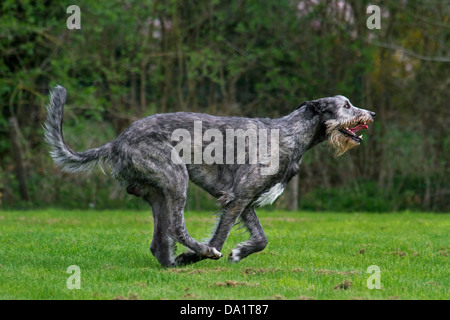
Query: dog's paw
{"x": 186, "y": 258}
{"x": 234, "y": 256}
{"x": 215, "y": 254}
{"x": 192, "y": 257}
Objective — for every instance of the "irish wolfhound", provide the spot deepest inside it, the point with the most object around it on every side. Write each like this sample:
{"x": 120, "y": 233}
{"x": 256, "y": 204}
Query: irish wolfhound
{"x": 145, "y": 160}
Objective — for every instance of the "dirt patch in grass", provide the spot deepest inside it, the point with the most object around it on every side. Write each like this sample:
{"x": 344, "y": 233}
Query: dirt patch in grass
{"x": 232, "y": 283}
{"x": 139, "y": 284}
{"x": 345, "y": 273}
{"x": 253, "y": 271}
{"x": 298, "y": 270}
{"x": 344, "y": 285}
{"x": 108, "y": 267}
{"x": 398, "y": 253}
{"x": 276, "y": 297}
{"x": 131, "y": 296}
{"x": 191, "y": 296}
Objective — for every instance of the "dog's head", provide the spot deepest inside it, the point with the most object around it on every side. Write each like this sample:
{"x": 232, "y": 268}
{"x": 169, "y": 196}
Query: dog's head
{"x": 341, "y": 121}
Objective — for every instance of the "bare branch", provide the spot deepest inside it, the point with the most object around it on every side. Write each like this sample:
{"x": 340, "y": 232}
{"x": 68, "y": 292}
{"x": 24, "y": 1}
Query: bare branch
{"x": 409, "y": 52}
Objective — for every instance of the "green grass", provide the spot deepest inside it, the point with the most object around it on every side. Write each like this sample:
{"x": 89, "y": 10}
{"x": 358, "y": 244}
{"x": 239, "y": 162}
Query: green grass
{"x": 308, "y": 255}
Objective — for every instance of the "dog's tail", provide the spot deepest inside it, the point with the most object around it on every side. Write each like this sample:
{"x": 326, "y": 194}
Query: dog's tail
{"x": 63, "y": 156}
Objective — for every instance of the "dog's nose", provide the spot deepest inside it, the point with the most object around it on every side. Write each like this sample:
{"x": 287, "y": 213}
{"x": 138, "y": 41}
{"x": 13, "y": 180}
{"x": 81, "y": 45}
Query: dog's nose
{"x": 373, "y": 114}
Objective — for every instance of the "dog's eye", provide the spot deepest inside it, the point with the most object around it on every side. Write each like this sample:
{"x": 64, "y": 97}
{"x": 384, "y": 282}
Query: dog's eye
{"x": 347, "y": 105}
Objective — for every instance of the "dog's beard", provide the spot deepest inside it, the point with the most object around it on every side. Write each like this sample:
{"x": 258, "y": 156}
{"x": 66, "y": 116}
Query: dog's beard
{"x": 342, "y": 134}
{"x": 340, "y": 143}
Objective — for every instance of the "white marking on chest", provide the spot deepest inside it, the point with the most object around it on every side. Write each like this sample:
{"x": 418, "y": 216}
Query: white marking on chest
{"x": 269, "y": 196}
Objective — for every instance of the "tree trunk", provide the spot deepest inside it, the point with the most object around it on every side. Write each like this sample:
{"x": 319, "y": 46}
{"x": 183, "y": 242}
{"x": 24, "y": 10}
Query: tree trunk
{"x": 18, "y": 158}
{"x": 293, "y": 193}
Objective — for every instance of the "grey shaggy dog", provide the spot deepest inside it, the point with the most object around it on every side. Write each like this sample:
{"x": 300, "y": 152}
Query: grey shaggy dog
{"x": 140, "y": 159}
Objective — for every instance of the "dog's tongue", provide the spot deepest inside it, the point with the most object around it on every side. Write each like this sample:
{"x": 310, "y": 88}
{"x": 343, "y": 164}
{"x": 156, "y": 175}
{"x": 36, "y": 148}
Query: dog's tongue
{"x": 359, "y": 127}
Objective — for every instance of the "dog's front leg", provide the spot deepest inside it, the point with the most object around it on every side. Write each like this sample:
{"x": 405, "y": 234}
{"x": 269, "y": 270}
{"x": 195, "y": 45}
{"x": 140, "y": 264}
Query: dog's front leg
{"x": 257, "y": 241}
{"x": 227, "y": 219}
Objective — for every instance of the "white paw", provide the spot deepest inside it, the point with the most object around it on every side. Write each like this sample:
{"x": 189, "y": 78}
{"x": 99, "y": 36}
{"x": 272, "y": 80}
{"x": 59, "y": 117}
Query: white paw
{"x": 235, "y": 256}
{"x": 216, "y": 254}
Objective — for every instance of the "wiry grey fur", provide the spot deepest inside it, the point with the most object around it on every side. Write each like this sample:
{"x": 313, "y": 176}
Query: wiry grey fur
{"x": 140, "y": 159}
{"x": 63, "y": 156}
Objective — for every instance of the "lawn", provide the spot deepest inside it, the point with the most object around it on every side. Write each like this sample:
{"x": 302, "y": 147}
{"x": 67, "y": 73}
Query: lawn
{"x": 309, "y": 256}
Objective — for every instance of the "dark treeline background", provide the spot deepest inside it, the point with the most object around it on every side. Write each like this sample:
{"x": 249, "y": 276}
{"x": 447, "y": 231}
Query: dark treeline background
{"x": 242, "y": 58}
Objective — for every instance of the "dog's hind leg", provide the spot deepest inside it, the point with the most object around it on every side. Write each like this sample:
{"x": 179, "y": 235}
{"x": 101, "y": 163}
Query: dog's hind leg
{"x": 151, "y": 165}
{"x": 179, "y": 231}
{"x": 174, "y": 190}
{"x": 257, "y": 241}
{"x": 174, "y": 184}
{"x": 162, "y": 246}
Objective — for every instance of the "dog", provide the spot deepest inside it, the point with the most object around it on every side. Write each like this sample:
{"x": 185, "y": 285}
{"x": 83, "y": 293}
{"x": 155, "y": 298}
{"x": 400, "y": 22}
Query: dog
{"x": 145, "y": 160}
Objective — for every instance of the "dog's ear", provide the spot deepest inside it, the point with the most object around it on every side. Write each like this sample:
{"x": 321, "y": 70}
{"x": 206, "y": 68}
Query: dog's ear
{"x": 302, "y": 104}
{"x": 312, "y": 108}
{"x": 313, "y": 105}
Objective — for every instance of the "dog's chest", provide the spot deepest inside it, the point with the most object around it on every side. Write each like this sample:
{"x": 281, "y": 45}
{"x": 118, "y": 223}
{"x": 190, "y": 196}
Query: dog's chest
{"x": 269, "y": 196}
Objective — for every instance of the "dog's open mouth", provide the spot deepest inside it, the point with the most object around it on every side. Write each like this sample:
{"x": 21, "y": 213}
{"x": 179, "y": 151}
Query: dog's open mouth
{"x": 351, "y": 132}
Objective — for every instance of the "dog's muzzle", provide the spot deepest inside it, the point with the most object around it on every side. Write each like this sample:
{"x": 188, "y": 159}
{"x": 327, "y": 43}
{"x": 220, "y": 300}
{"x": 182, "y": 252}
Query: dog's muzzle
{"x": 351, "y": 130}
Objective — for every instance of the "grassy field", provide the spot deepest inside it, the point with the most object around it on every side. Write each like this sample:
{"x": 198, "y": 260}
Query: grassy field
{"x": 309, "y": 256}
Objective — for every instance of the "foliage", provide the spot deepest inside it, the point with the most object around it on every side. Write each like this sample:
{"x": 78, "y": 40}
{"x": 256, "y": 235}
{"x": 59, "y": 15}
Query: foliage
{"x": 242, "y": 58}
